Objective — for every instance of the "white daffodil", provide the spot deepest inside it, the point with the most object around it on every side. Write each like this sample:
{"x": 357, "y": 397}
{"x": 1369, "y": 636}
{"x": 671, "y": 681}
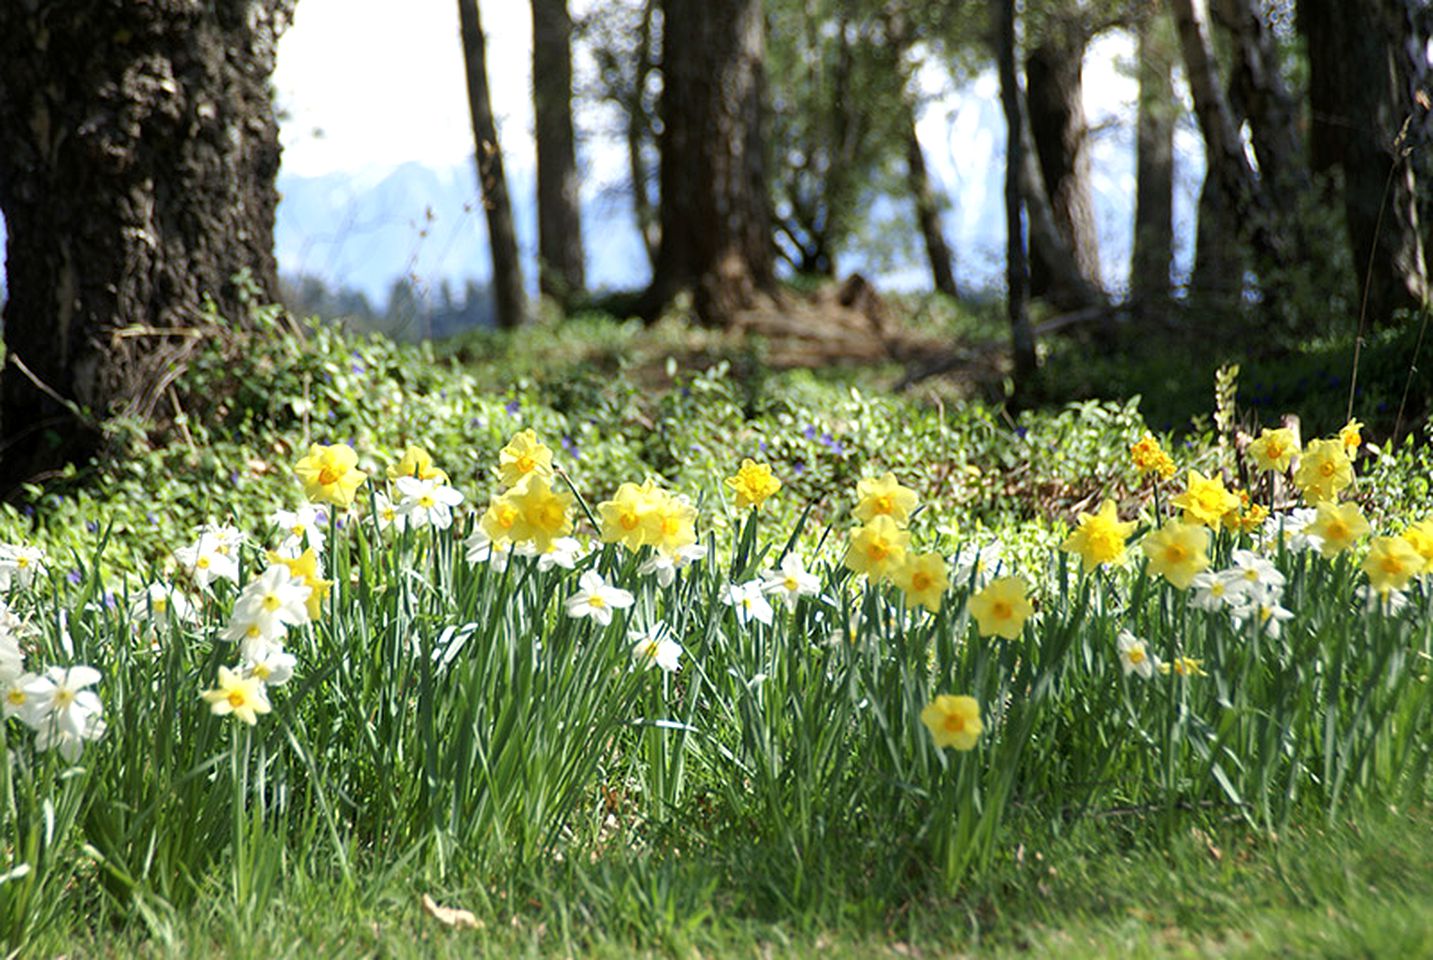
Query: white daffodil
{"x": 160, "y": 601}
{"x": 1267, "y": 614}
{"x": 274, "y": 669}
{"x": 55, "y": 737}
{"x": 664, "y": 565}
{"x": 1291, "y": 526}
{"x": 15, "y": 700}
{"x": 12, "y": 656}
{"x": 205, "y": 563}
{"x": 976, "y": 565}
{"x": 597, "y": 599}
{"x": 481, "y": 549}
{"x": 225, "y": 539}
{"x": 653, "y": 647}
{"x": 1389, "y": 603}
{"x": 427, "y": 502}
{"x": 20, "y": 565}
{"x": 301, "y": 528}
{"x": 1212, "y": 591}
{"x": 564, "y": 552}
{"x": 58, "y": 698}
{"x": 386, "y": 515}
{"x": 266, "y": 608}
{"x": 1135, "y": 656}
{"x": 790, "y": 581}
{"x": 1256, "y": 577}
{"x": 747, "y": 601}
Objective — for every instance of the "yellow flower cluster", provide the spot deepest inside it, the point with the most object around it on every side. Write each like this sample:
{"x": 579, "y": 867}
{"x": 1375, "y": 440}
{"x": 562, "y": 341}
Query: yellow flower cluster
{"x": 644, "y": 514}
{"x": 1099, "y": 537}
{"x": 1149, "y": 457}
{"x": 330, "y": 474}
{"x": 416, "y": 463}
{"x": 530, "y": 510}
{"x": 880, "y": 547}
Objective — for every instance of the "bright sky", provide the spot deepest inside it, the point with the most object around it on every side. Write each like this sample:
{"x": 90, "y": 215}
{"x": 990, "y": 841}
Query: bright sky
{"x": 372, "y": 82}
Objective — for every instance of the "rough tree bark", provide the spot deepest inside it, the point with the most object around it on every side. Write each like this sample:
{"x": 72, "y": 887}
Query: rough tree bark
{"x": 561, "y": 273}
{"x": 502, "y": 236}
{"x": 1054, "y": 73}
{"x": 1017, "y": 278}
{"x": 1359, "y": 108}
{"x": 1154, "y": 161}
{"x": 138, "y": 150}
{"x": 1219, "y": 260}
{"x": 716, "y": 226}
{"x": 1251, "y": 207}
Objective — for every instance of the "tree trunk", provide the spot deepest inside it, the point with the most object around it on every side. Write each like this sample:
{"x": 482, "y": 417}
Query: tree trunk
{"x": 716, "y": 227}
{"x": 138, "y": 150}
{"x": 1070, "y": 290}
{"x": 1249, "y": 205}
{"x": 1219, "y": 265}
{"x": 561, "y": 272}
{"x": 928, "y": 211}
{"x": 639, "y": 131}
{"x": 1359, "y": 107}
{"x": 502, "y": 236}
{"x": 1017, "y": 278}
{"x": 1054, "y": 72}
{"x": 1154, "y": 162}
{"x": 1257, "y": 92}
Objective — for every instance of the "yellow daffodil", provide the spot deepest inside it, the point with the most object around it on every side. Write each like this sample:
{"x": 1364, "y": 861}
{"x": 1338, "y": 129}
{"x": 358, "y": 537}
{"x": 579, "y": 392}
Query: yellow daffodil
{"x": 1002, "y": 608}
{"x": 671, "y": 523}
{"x": 1249, "y": 516}
{"x": 1391, "y": 563}
{"x": 242, "y": 696}
{"x": 1420, "y": 538}
{"x": 884, "y": 496}
{"x": 1339, "y": 526}
{"x": 1149, "y": 457}
{"x": 1324, "y": 471}
{"x": 1177, "y": 551}
{"x": 1274, "y": 450}
{"x": 524, "y": 456}
{"x": 1204, "y": 500}
{"x": 417, "y": 463}
{"x": 624, "y": 517}
{"x": 953, "y": 721}
{"x": 330, "y": 474}
{"x": 923, "y": 578}
{"x": 753, "y": 483}
{"x": 305, "y": 568}
{"x": 878, "y": 548}
{"x": 1099, "y": 537}
{"x": 499, "y": 519}
{"x": 1184, "y": 667}
{"x": 543, "y": 514}
{"x": 1351, "y": 436}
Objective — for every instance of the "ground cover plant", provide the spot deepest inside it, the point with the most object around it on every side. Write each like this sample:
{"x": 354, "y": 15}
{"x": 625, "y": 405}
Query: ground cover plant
{"x": 662, "y": 688}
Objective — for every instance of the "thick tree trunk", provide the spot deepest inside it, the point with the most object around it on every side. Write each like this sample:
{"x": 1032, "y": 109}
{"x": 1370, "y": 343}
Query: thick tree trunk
{"x": 1219, "y": 265}
{"x": 1258, "y": 92}
{"x": 928, "y": 211}
{"x": 502, "y": 236}
{"x": 138, "y": 150}
{"x": 1250, "y": 206}
{"x": 1359, "y": 107}
{"x": 1054, "y": 72}
{"x": 1154, "y": 162}
{"x": 716, "y": 226}
{"x": 561, "y": 273}
{"x": 639, "y": 131}
{"x": 1017, "y": 278}
{"x": 1070, "y": 290}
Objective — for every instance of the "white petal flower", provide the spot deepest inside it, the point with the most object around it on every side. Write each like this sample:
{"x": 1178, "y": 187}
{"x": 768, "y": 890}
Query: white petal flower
{"x": 58, "y": 698}
{"x": 301, "y": 528}
{"x": 1387, "y": 602}
{"x": 664, "y": 565}
{"x": 595, "y": 598}
{"x": 1213, "y": 591}
{"x": 653, "y": 647}
{"x": 565, "y": 552}
{"x": 204, "y": 562}
{"x": 790, "y": 581}
{"x": 481, "y": 549}
{"x": 20, "y": 565}
{"x": 160, "y": 601}
{"x": 427, "y": 502}
{"x": 274, "y": 668}
{"x": 977, "y": 564}
{"x": 748, "y": 602}
{"x": 1135, "y": 656}
{"x": 266, "y": 608}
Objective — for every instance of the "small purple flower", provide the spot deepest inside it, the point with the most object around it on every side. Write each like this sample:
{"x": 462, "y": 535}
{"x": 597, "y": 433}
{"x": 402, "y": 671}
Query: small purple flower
{"x": 152, "y": 517}
{"x": 75, "y": 577}
{"x": 110, "y": 601}
{"x": 798, "y": 467}
{"x": 761, "y": 445}
{"x": 513, "y": 407}
{"x": 1021, "y": 432}
{"x": 92, "y": 526}
{"x": 571, "y": 448}
{"x": 810, "y": 432}
{"x": 28, "y": 510}
{"x": 357, "y": 368}
{"x": 233, "y": 478}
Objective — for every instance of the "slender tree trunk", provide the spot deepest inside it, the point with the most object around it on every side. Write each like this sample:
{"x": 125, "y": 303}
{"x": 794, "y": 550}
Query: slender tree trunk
{"x": 561, "y": 272}
{"x": 502, "y": 236}
{"x": 1017, "y": 279}
{"x": 1359, "y": 108}
{"x": 138, "y": 150}
{"x": 1219, "y": 265}
{"x": 639, "y": 131}
{"x": 716, "y": 227}
{"x": 1054, "y": 73}
{"x": 928, "y": 211}
{"x": 1250, "y": 206}
{"x": 1154, "y": 161}
{"x": 1070, "y": 290}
